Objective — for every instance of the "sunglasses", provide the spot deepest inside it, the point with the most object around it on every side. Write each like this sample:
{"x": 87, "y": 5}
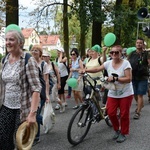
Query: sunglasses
{"x": 73, "y": 54}
{"x": 114, "y": 52}
{"x": 36, "y": 51}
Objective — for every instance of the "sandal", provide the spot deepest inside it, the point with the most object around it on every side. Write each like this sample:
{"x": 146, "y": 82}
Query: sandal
{"x": 136, "y": 116}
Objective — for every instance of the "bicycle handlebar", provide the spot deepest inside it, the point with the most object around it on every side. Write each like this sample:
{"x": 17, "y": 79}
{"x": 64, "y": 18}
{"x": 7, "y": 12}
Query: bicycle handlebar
{"x": 86, "y": 76}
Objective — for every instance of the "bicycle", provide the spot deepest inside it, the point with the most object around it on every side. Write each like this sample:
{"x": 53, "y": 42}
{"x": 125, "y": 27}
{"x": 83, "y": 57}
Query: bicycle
{"x": 88, "y": 113}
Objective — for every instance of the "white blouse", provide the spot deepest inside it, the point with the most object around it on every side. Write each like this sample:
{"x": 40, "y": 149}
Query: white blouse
{"x": 10, "y": 76}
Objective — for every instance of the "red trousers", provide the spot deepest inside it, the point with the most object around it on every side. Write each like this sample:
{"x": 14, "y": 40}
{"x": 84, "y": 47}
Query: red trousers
{"x": 123, "y": 106}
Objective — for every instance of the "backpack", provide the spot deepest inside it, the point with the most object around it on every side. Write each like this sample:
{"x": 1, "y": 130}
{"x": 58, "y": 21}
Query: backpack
{"x": 68, "y": 69}
{"x": 139, "y": 64}
{"x": 43, "y": 90}
{"x": 27, "y": 56}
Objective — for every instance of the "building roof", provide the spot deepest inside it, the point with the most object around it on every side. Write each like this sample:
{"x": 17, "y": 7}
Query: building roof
{"x": 44, "y": 39}
{"x": 49, "y": 39}
{"x": 27, "y": 32}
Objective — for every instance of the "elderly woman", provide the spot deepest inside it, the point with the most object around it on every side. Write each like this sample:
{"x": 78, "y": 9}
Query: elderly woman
{"x": 22, "y": 89}
{"x": 121, "y": 98}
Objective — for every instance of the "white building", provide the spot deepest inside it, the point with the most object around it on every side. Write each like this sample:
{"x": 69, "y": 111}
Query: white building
{"x": 48, "y": 42}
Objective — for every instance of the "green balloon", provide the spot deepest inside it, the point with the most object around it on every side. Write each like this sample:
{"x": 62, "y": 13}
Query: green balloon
{"x": 109, "y": 39}
{"x": 12, "y": 27}
{"x": 130, "y": 50}
{"x": 72, "y": 82}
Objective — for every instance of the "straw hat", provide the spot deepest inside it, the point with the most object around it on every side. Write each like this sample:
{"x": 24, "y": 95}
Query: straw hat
{"x": 25, "y": 136}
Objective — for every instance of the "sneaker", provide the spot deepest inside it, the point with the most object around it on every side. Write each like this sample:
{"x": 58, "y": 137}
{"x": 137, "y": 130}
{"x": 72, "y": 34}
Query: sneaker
{"x": 36, "y": 141}
{"x": 65, "y": 104}
{"x": 136, "y": 116}
{"x": 121, "y": 138}
{"x": 68, "y": 96}
{"x": 57, "y": 107}
{"x": 62, "y": 108}
{"x": 116, "y": 135}
{"x": 75, "y": 107}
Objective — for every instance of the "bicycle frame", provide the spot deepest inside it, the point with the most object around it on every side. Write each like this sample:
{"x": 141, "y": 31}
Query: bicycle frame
{"x": 94, "y": 95}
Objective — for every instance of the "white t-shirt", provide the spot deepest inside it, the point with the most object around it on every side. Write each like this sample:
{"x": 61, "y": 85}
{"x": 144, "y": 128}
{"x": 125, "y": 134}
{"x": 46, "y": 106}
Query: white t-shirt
{"x": 122, "y": 89}
{"x": 45, "y": 68}
{"x": 52, "y": 73}
{"x": 62, "y": 69}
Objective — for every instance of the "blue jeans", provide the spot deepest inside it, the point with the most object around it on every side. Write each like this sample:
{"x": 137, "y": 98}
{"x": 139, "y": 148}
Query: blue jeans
{"x": 140, "y": 87}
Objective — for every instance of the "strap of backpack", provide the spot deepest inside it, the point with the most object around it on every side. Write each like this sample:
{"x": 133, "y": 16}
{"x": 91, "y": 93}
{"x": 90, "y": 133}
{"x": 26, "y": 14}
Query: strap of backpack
{"x": 54, "y": 69}
{"x": 89, "y": 59}
{"x": 99, "y": 60}
{"x": 42, "y": 66}
{"x": 27, "y": 56}
{"x": 3, "y": 60}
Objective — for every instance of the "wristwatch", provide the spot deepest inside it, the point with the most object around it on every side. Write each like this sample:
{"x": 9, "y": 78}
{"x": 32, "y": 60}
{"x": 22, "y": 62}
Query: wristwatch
{"x": 33, "y": 111}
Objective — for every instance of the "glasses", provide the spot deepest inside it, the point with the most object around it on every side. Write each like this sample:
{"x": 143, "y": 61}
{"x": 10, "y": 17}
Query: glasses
{"x": 114, "y": 52}
{"x": 73, "y": 54}
{"x": 36, "y": 51}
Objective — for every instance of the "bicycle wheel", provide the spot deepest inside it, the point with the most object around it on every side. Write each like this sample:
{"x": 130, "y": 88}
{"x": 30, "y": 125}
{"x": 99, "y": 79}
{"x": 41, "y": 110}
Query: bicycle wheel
{"x": 79, "y": 125}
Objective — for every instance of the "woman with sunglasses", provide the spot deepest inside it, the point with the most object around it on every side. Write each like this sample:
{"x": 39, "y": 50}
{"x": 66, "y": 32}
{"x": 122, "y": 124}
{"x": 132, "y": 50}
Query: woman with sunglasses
{"x": 121, "y": 98}
{"x": 76, "y": 66}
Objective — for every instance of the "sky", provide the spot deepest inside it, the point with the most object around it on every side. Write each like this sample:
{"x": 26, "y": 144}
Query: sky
{"x": 23, "y": 14}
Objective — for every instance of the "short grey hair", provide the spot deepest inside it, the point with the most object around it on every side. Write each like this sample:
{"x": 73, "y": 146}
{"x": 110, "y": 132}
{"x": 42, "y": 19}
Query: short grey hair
{"x": 19, "y": 36}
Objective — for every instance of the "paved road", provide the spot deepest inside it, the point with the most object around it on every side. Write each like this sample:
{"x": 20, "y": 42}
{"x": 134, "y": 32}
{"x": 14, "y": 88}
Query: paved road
{"x": 100, "y": 135}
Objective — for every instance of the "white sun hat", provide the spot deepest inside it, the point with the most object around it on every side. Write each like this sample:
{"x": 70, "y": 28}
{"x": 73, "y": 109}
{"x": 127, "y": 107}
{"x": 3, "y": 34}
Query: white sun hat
{"x": 46, "y": 54}
{"x": 60, "y": 49}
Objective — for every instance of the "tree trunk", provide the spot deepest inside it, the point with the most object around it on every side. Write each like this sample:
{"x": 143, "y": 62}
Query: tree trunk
{"x": 82, "y": 43}
{"x": 97, "y": 24}
{"x": 117, "y": 28}
{"x": 66, "y": 29}
{"x": 96, "y": 33}
{"x": 12, "y": 12}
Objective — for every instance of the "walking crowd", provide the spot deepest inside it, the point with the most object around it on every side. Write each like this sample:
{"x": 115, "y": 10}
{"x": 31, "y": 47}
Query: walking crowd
{"x": 28, "y": 81}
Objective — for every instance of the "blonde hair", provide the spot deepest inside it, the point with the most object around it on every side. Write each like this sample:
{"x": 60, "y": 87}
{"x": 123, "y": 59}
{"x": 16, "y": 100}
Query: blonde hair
{"x": 37, "y": 47}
